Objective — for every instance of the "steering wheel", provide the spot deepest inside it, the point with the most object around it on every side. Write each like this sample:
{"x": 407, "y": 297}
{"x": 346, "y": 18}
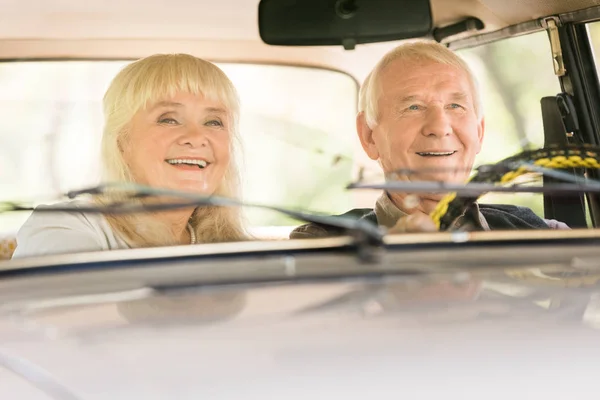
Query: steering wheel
{"x": 452, "y": 206}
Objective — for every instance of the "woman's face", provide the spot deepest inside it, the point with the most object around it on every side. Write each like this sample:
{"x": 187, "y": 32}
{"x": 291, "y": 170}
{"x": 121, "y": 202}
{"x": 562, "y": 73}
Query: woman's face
{"x": 180, "y": 143}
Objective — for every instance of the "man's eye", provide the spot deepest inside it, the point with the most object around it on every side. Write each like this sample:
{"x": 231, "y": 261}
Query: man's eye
{"x": 414, "y": 107}
{"x": 168, "y": 121}
{"x": 455, "y": 105}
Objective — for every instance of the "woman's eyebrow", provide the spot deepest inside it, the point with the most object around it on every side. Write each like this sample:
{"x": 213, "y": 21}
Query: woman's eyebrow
{"x": 216, "y": 110}
{"x": 162, "y": 104}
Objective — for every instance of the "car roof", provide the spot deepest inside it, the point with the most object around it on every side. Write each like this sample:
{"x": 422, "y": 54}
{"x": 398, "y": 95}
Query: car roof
{"x": 221, "y": 20}
{"x": 226, "y": 30}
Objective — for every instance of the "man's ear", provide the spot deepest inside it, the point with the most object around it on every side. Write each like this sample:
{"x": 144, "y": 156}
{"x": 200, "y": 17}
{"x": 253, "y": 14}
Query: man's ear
{"x": 365, "y": 134}
{"x": 480, "y": 133}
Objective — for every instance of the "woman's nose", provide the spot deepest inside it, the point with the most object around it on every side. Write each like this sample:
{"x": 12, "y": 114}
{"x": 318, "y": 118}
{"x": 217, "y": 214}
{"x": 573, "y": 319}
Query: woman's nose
{"x": 194, "y": 136}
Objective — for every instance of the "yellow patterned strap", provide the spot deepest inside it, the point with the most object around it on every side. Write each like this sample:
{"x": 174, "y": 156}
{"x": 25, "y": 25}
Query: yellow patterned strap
{"x": 7, "y": 248}
{"x": 452, "y": 206}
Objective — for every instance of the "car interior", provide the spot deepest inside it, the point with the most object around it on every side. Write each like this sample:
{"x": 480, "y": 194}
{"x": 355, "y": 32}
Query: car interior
{"x": 298, "y": 76}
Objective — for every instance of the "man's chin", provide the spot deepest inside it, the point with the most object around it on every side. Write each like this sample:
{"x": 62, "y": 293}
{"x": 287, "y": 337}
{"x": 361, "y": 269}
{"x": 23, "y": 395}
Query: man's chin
{"x": 430, "y": 201}
{"x": 435, "y": 177}
{"x": 433, "y": 196}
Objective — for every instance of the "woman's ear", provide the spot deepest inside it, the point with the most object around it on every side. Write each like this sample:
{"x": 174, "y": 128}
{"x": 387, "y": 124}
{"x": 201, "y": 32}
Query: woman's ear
{"x": 365, "y": 134}
{"x": 123, "y": 140}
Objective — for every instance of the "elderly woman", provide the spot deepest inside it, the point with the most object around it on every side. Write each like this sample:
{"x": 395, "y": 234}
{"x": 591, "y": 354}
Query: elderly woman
{"x": 171, "y": 121}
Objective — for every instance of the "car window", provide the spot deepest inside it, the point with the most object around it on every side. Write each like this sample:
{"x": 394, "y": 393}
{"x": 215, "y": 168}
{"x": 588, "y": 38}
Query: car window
{"x": 594, "y": 34}
{"x": 514, "y": 74}
{"x": 297, "y": 125}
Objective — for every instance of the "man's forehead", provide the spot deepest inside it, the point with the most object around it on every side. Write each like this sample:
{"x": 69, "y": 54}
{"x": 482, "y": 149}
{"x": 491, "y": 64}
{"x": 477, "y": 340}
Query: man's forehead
{"x": 414, "y": 77}
{"x": 418, "y": 63}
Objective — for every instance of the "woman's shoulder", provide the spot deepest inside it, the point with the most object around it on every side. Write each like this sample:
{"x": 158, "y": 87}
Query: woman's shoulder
{"x": 66, "y": 214}
{"x": 65, "y": 227}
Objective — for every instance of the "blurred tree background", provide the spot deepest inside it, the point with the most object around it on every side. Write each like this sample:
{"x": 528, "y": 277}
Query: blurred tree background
{"x": 514, "y": 75}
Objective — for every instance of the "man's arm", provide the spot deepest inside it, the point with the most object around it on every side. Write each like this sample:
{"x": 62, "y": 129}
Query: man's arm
{"x": 554, "y": 224}
{"x": 309, "y": 231}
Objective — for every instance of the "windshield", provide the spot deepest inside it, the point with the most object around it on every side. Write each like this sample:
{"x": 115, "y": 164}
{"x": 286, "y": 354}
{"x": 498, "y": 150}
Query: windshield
{"x": 301, "y": 143}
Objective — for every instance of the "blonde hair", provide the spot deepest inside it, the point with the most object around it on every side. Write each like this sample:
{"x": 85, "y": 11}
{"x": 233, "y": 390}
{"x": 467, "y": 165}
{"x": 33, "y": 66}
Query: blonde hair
{"x": 134, "y": 88}
{"x": 415, "y": 51}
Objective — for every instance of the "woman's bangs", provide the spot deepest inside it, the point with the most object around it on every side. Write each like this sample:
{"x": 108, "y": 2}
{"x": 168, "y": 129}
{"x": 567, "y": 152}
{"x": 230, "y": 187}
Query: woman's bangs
{"x": 174, "y": 76}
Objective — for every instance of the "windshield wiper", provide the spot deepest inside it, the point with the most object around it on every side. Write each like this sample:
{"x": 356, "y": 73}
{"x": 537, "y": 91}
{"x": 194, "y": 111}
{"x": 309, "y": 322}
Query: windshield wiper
{"x": 475, "y": 189}
{"x": 575, "y": 184}
{"x": 36, "y": 376}
{"x": 361, "y": 230}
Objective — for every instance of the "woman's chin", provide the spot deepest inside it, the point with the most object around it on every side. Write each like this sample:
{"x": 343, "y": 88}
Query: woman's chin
{"x": 195, "y": 187}
{"x": 195, "y": 190}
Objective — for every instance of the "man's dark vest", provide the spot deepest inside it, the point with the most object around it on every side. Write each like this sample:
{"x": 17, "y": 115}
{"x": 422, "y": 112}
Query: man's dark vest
{"x": 498, "y": 217}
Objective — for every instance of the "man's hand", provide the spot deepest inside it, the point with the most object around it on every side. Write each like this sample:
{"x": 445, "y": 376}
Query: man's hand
{"x": 418, "y": 221}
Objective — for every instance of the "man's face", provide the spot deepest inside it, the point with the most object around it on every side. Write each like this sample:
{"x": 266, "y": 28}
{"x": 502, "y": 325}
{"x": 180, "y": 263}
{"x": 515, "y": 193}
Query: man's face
{"x": 427, "y": 122}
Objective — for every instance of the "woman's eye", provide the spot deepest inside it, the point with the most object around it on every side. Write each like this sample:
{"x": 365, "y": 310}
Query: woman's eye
{"x": 414, "y": 107}
{"x": 454, "y": 105}
{"x": 168, "y": 121}
{"x": 214, "y": 122}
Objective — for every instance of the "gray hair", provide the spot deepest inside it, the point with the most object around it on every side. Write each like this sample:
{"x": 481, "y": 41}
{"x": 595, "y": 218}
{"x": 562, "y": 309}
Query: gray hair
{"x": 416, "y": 51}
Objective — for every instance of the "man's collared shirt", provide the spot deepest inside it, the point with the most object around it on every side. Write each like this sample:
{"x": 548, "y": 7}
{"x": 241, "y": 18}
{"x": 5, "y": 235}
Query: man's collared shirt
{"x": 387, "y": 214}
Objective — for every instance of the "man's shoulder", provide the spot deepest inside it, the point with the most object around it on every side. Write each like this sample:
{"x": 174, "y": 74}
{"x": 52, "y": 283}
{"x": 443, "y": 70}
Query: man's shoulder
{"x": 507, "y": 216}
{"x": 312, "y": 230}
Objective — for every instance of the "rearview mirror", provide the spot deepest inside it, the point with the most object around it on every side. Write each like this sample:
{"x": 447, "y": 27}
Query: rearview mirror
{"x": 345, "y": 22}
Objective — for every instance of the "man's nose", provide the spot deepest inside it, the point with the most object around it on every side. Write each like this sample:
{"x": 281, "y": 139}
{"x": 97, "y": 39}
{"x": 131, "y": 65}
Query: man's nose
{"x": 194, "y": 136}
{"x": 437, "y": 123}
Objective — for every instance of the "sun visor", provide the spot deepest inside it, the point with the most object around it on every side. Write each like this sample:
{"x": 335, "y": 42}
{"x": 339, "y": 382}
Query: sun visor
{"x": 342, "y": 22}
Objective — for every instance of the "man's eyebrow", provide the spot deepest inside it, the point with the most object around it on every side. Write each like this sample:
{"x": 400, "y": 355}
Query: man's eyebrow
{"x": 459, "y": 96}
{"x": 453, "y": 96}
{"x": 406, "y": 99}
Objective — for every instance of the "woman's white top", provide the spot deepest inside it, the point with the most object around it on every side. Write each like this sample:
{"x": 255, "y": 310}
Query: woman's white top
{"x": 61, "y": 232}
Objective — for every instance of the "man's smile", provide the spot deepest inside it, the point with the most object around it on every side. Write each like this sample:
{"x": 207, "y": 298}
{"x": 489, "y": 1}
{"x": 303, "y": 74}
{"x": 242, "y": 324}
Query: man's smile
{"x": 436, "y": 153}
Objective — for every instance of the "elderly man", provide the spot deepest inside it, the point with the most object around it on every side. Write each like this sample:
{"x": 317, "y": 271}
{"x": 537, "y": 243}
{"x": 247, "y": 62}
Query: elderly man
{"x": 420, "y": 109}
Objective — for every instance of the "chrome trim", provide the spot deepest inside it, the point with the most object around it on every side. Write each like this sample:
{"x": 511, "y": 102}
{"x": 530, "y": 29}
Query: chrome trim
{"x": 484, "y": 237}
{"x": 254, "y": 247}
{"x": 580, "y": 16}
{"x": 552, "y": 24}
{"x": 176, "y": 251}
{"x": 524, "y": 28}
